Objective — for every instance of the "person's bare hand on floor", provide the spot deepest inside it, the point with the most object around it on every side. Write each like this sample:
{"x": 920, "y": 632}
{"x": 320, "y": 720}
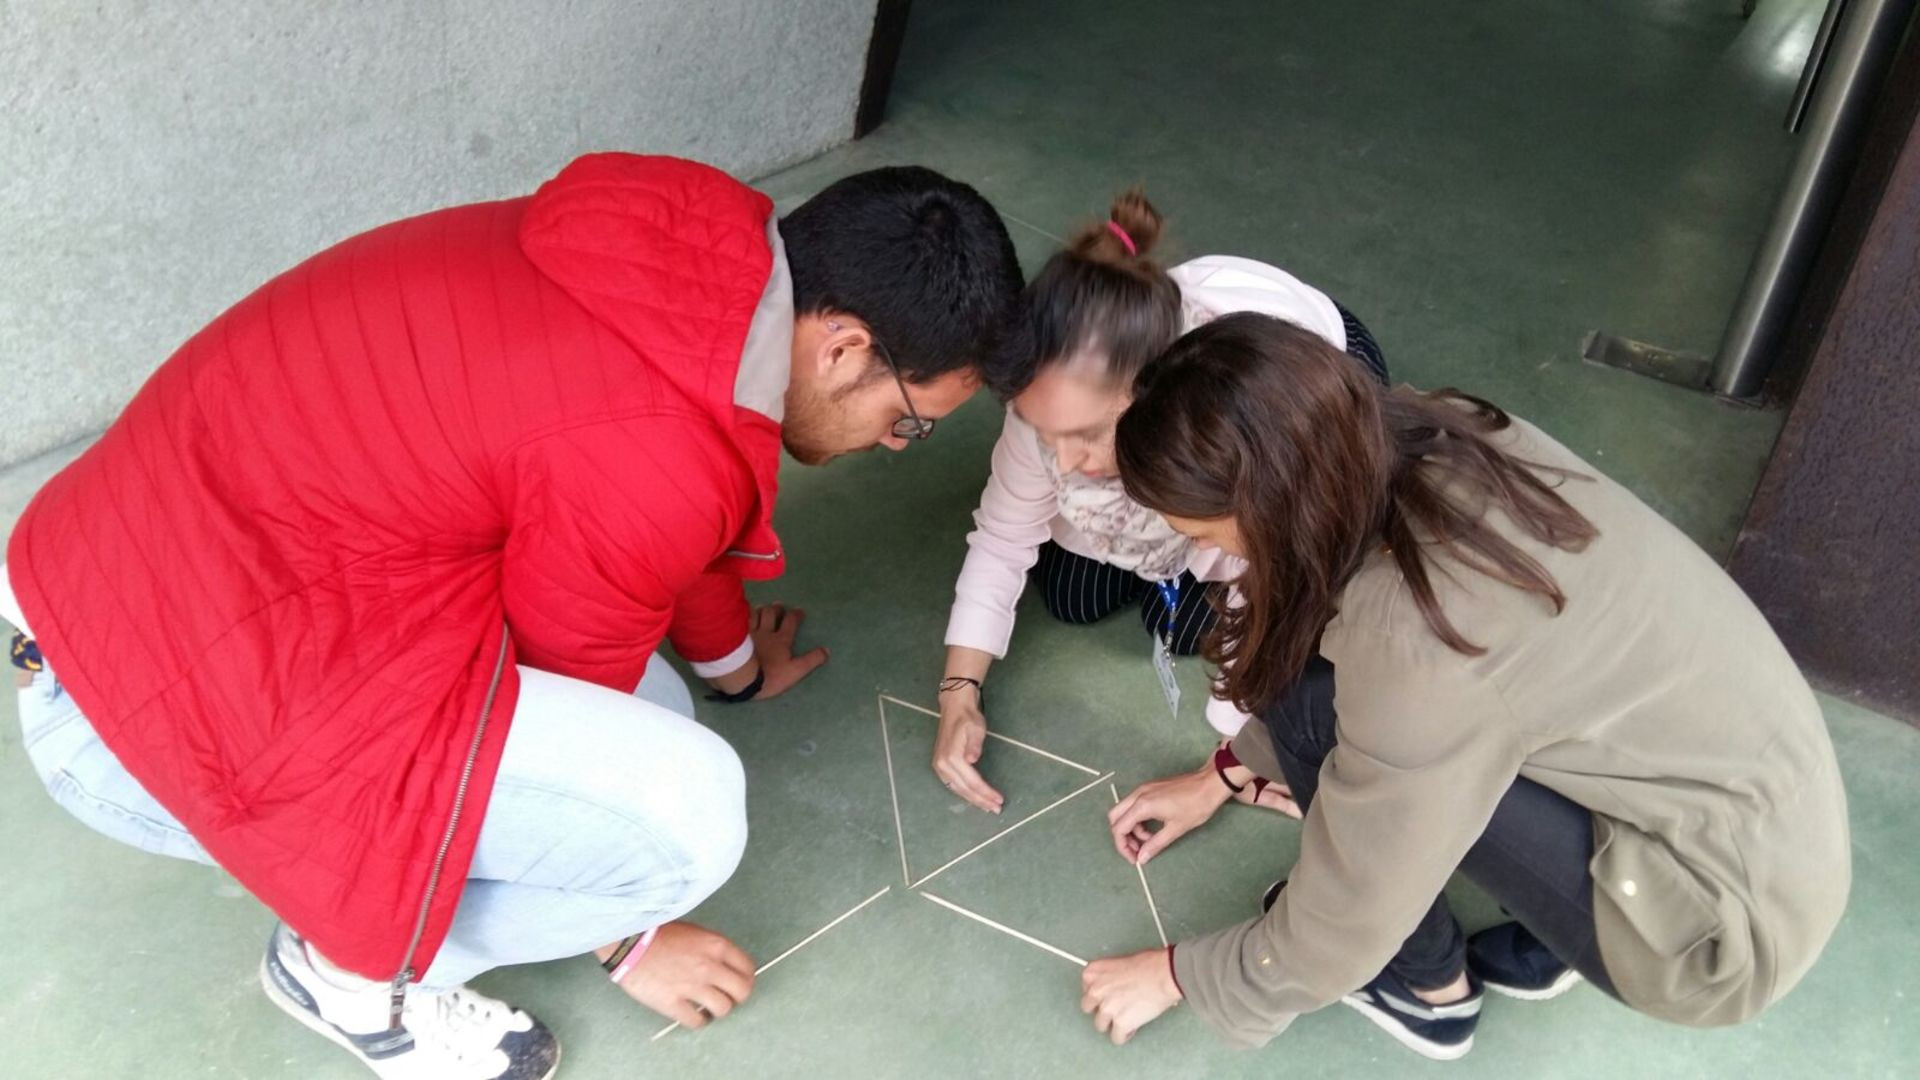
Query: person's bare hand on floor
{"x": 690, "y": 975}
{"x": 957, "y": 749}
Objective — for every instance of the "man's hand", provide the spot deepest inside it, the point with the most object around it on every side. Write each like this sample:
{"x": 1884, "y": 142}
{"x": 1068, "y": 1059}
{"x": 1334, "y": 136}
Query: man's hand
{"x": 772, "y": 628}
{"x": 1180, "y": 804}
{"x": 690, "y": 975}
{"x": 1125, "y": 993}
{"x": 956, "y": 750}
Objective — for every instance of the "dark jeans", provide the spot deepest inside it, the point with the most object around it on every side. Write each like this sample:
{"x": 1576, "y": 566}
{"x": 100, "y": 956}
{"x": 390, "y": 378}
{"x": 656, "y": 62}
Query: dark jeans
{"x": 1532, "y": 858}
{"x": 1077, "y": 589}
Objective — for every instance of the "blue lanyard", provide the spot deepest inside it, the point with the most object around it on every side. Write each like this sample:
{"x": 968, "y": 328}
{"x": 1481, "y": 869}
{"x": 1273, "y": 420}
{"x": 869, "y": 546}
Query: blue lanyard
{"x": 1170, "y": 596}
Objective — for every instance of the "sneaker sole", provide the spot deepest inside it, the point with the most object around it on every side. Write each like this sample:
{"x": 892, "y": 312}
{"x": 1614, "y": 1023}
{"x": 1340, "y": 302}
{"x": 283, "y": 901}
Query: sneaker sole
{"x": 332, "y": 1034}
{"x": 1425, "y": 1048}
{"x": 308, "y": 1020}
{"x": 1568, "y": 980}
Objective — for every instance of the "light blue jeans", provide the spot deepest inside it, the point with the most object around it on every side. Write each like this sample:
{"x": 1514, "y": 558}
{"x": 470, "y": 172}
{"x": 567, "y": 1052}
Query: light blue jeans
{"x": 611, "y": 813}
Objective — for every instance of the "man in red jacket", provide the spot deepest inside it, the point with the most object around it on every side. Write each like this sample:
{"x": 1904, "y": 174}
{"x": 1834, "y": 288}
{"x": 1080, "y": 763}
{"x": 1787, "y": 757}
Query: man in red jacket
{"x": 360, "y": 598}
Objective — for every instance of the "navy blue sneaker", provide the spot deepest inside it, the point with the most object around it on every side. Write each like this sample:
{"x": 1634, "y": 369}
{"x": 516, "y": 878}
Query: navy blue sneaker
{"x": 1440, "y": 1032}
{"x": 1511, "y": 961}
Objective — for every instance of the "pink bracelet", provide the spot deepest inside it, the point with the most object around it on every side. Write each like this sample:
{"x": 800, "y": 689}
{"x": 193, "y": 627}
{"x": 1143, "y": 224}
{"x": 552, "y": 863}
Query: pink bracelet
{"x": 634, "y": 954}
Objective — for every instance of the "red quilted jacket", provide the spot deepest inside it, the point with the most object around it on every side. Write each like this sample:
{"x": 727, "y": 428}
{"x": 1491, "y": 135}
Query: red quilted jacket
{"x": 290, "y": 584}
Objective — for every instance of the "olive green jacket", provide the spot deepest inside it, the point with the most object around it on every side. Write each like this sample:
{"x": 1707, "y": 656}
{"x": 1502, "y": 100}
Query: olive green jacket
{"x": 1659, "y": 699}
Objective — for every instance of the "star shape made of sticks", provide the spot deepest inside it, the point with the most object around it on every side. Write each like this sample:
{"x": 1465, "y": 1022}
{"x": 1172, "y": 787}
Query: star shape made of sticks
{"x": 917, "y": 885}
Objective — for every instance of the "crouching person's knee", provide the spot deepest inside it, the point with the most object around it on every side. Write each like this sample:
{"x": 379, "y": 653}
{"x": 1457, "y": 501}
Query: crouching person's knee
{"x": 676, "y": 830}
{"x": 719, "y": 793}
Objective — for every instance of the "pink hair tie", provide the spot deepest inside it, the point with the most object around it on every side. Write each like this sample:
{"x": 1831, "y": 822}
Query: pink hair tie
{"x": 1114, "y": 228}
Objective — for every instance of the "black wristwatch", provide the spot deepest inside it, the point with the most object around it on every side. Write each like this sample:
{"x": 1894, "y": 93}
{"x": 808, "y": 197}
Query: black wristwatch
{"x": 745, "y": 693}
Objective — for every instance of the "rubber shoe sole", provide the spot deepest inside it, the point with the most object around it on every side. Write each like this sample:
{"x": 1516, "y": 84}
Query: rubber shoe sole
{"x": 308, "y": 1020}
{"x": 1424, "y": 1047}
{"x": 1568, "y": 980}
{"x": 319, "y": 1026}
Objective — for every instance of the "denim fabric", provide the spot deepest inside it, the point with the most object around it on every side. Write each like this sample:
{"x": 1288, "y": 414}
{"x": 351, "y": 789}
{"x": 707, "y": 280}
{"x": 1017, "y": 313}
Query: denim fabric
{"x": 611, "y": 813}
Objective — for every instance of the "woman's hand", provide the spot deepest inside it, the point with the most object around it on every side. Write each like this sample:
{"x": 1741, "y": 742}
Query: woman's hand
{"x": 1274, "y": 796}
{"x": 1125, "y": 993}
{"x": 1180, "y": 804}
{"x": 956, "y": 750}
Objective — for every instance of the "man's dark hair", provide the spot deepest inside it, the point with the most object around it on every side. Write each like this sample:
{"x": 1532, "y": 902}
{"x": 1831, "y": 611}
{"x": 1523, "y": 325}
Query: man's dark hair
{"x": 923, "y": 260}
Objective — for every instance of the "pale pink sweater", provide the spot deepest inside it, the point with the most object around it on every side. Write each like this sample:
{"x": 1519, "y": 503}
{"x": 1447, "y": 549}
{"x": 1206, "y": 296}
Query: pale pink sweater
{"x": 1019, "y": 510}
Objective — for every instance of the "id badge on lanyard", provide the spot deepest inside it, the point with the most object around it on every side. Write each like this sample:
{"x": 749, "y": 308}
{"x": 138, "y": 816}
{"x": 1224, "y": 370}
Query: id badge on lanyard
{"x": 1163, "y": 646}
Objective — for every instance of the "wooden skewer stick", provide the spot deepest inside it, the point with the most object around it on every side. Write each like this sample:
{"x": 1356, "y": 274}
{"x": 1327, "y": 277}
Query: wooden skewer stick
{"x": 1029, "y": 747}
{"x": 996, "y": 836}
{"x": 1152, "y": 907}
{"x": 762, "y": 969}
{"x": 1008, "y": 930}
{"x": 893, "y": 790}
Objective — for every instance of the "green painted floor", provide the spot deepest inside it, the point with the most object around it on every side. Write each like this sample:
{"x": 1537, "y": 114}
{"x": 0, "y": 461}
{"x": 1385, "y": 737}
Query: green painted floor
{"x": 1483, "y": 183}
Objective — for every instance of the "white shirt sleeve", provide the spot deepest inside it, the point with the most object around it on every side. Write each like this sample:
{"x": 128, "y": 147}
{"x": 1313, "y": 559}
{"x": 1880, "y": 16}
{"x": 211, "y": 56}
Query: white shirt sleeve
{"x": 1015, "y": 517}
{"x": 726, "y": 665}
{"x": 1215, "y": 285}
{"x": 1212, "y": 564}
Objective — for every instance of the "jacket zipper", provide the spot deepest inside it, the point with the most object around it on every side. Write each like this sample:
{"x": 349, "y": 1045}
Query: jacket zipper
{"x": 738, "y": 554}
{"x": 398, "y": 999}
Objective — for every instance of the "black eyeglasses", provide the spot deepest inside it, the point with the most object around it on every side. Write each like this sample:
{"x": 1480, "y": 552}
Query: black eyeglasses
{"x": 912, "y": 425}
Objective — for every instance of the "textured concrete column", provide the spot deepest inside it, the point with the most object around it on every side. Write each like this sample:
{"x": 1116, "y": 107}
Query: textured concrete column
{"x": 162, "y": 159}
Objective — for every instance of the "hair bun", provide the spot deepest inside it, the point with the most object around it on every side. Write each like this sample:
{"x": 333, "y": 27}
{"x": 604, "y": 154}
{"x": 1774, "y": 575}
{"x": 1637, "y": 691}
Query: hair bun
{"x": 1134, "y": 214}
{"x": 1130, "y": 214}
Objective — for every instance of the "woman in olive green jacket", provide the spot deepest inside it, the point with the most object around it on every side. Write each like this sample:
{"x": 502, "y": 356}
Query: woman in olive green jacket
{"x": 1469, "y": 650}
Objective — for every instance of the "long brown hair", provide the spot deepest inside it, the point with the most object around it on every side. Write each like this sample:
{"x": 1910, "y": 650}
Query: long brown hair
{"x": 1255, "y": 418}
{"x": 1103, "y": 294}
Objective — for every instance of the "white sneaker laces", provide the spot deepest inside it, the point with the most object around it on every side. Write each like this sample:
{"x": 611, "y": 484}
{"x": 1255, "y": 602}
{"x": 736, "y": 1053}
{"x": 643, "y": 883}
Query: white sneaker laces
{"x": 460, "y": 1023}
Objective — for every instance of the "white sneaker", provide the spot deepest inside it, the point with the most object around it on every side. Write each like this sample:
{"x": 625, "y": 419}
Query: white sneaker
{"x": 450, "y": 1035}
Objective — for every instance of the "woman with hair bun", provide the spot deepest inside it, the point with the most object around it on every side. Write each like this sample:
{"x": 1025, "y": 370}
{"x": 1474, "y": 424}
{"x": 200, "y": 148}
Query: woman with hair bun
{"x": 1053, "y": 511}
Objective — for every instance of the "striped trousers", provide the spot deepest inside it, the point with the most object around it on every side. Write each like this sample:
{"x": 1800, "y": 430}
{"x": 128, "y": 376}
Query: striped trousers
{"x": 1080, "y": 590}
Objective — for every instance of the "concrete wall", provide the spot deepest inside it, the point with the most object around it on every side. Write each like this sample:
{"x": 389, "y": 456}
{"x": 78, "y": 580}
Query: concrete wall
{"x": 162, "y": 159}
